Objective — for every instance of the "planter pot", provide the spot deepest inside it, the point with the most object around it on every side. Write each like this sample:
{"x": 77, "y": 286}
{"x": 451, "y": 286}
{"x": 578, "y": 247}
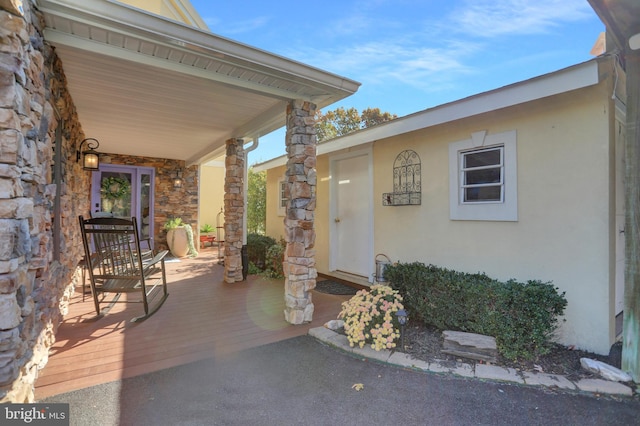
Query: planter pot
{"x": 178, "y": 242}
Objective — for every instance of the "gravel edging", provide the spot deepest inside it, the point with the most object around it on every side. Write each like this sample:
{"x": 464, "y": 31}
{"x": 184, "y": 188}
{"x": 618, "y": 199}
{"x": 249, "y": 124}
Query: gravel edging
{"x": 473, "y": 370}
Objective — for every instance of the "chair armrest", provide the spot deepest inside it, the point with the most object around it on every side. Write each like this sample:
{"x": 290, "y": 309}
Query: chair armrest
{"x": 157, "y": 258}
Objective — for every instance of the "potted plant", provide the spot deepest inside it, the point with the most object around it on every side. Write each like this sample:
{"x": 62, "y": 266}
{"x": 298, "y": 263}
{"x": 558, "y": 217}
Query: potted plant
{"x": 206, "y": 235}
{"x": 180, "y": 238}
{"x": 207, "y": 229}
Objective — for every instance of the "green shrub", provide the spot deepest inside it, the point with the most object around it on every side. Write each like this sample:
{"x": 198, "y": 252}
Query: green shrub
{"x": 257, "y": 246}
{"x": 274, "y": 258}
{"x": 253, "y": 269}
{"x": 522, "y": 317}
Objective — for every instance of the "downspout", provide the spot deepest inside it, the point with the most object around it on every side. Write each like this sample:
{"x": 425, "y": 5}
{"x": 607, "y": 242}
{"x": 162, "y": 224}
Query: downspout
{"x": 245, "y": 257}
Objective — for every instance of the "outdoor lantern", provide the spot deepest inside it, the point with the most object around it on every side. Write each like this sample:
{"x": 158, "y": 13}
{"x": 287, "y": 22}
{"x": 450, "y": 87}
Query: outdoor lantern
{"x": 177, "y": 181}
{"x": 402, "y": 319}
{"x": 90, "y": 157}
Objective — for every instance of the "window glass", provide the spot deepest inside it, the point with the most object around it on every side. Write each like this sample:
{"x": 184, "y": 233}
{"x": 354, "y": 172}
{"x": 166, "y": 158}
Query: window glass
{"x": 482, "y": 175}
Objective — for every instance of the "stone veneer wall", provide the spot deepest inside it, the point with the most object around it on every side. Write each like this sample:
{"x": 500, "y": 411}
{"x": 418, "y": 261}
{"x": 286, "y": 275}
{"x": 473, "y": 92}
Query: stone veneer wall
{"x": 169, "y": 202}
{"x": 233, "y": 210}
{"x": 35, "y": 286}
{"x": 299, "y": 263}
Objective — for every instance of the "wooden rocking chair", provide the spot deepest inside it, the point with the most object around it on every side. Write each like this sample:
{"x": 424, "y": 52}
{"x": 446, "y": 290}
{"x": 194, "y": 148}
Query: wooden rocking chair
{"x": 116, "y": 264}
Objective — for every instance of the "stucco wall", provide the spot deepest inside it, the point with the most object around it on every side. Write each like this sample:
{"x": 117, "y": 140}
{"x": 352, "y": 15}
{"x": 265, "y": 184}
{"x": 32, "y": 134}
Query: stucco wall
{"x": 562, "y": 233}
{"x": 564, "y": 169}
{"x": 211, "y": 194}
{"x": 179, "y": 10}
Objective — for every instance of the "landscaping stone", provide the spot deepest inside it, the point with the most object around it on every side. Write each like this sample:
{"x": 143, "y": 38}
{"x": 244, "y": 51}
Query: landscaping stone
{"x": 480, "y": 371}
{"x": 321, "y": 333}
{"x": 548, "y": 380}
{"x": 464, "y": 370}
{"x": 371, "y": 353}
{"x": 604, "y": 386}
{"x": 493, "y": 372}
{"x": 334, "y": 325}
{"x": 405, "y": 360}
{"x": 606, "y": 371}
{"x": 470, "y": 345}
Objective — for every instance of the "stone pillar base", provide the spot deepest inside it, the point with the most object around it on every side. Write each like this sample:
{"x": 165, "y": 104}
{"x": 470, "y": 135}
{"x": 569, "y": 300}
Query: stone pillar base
{"x": 233, "y": 210}
{"x": 299, "y": 261}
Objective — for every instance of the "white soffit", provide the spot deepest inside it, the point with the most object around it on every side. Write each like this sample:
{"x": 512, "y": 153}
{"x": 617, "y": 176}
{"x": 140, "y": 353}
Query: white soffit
{"x": 141, "y": 82}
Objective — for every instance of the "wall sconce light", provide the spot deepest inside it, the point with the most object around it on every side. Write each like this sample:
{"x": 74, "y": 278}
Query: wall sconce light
{"x": 177, "y": 181}
{"x": 90, "y": 157}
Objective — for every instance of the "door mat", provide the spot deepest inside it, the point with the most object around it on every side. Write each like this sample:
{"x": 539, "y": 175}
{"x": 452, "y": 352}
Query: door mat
{"x": 333, "y": 287}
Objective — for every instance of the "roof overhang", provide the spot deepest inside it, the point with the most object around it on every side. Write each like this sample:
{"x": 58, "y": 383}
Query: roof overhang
{"x": 621, "y": 17}
{"x": 565, "y": 80}
{"x": 145, "y": 85}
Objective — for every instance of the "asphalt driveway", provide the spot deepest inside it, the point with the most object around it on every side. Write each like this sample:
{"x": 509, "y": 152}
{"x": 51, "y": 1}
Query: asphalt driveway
{"x": 303, "y": 382}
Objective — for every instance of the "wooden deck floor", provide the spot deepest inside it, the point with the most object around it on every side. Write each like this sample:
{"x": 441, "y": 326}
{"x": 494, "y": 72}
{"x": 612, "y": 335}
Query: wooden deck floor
{"x": 202, "y": 318}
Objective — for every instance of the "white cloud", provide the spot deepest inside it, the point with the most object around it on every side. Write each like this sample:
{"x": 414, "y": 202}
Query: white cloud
{"x": 436, "y": 53}
{"x": 484, "y": 18}
{"x": 391, "y": 62}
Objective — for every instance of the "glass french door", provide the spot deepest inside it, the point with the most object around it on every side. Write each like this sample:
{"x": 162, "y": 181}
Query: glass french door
{"x": 124, "y": 191}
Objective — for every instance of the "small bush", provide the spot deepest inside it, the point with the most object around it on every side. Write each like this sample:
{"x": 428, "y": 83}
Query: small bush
{"x": 369, "y": 317}
{"x": 253, "y": 269}
{"x": 257, "y": 246}
{"x": 274, "y": 258}
{"x": 522, "y": 317}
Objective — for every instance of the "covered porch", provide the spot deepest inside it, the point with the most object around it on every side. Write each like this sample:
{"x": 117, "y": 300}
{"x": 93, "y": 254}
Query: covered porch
{"x": 203, "y": 318}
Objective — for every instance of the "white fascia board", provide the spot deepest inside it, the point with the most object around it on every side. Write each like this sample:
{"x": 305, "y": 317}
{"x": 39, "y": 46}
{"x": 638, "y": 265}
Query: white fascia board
{"x": 57, "y": 37}
{"x": 565, "y": 80}
{"x": 577, "y": 77}
{"x": 126, "y": 19}
{"x": 270, "y": 164}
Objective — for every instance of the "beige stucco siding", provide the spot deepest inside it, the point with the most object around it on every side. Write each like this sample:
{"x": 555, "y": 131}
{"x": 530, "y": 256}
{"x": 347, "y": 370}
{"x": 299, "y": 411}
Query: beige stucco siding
{"x": 179, "y": 10}
{"x": 565, "y": 210}
{"x": 275, "y": 222}
{"x": 211, "y": 195}
{"x": 562, "y": 232}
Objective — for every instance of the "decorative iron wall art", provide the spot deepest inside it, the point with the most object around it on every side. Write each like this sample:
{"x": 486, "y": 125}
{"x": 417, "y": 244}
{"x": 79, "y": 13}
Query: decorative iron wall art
{"x": 407, "y": 181}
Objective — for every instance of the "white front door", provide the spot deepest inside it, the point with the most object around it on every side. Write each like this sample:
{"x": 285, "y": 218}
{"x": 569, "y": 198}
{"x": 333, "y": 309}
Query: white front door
{"x": 351, "y": 215}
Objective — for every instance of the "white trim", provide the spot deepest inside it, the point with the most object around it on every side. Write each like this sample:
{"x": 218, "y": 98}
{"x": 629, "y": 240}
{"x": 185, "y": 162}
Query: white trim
{"x": 562, "y": 81}
{"x": 130, "y": 21}
{"x": 506, "y": 210}
{"x": 333, "y": 208}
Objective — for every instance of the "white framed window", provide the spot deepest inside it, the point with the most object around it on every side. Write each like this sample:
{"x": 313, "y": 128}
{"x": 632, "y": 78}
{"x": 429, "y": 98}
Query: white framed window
{"x": 482, "y": 175}
{"x": 282, "y": 197}
{"x": 483, "y": 178}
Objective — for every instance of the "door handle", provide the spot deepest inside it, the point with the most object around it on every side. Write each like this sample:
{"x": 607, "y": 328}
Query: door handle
{"x": 336, "y": 220}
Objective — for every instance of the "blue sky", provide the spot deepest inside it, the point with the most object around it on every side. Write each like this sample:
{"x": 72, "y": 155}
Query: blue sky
{"x": 411, "y": 55}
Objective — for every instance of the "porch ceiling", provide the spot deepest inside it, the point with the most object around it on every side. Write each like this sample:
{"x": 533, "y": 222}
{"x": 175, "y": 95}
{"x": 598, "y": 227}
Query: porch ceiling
{"x": 148, "y": 86}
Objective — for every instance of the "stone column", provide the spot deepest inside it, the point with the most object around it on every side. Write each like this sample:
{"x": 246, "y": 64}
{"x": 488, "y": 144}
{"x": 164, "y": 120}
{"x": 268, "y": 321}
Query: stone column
{"x": 233, "y": 210}
{"x": 299, "y": 262}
